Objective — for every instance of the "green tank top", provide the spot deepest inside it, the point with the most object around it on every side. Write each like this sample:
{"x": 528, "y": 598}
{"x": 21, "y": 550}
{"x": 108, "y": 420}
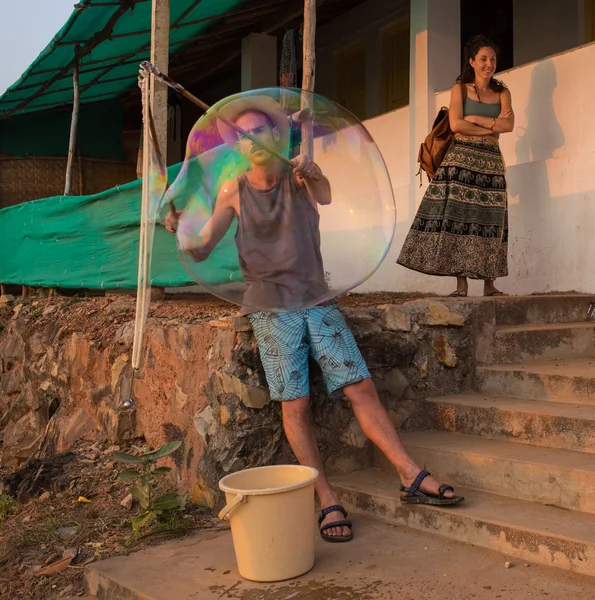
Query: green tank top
{"x": 481, "y": 109}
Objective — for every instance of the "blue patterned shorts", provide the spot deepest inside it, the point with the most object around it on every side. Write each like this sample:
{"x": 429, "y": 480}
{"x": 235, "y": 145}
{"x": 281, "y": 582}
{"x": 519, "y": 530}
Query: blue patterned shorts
{"x": 286, "y": 340}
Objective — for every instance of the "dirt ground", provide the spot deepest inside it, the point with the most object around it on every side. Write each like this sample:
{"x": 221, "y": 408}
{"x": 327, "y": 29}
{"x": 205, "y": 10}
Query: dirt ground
{"x": 99, "y": 318}
{"x": 42, "y": 529}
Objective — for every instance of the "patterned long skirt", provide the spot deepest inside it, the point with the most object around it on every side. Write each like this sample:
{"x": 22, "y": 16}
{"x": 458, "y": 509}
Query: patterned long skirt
{"x": 461, "y": 227}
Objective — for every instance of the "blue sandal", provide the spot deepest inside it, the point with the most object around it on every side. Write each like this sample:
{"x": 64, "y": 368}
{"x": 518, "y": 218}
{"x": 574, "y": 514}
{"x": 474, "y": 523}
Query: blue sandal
{"x": 344, "y": 523}
{"x": 413, "y": 495}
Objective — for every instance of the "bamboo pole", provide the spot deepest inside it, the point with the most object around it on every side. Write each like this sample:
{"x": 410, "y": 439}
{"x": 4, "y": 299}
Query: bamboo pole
{"x": 154, "y": 71}
{"x": 309, "y": 74}
{"x": 73, "y": 126}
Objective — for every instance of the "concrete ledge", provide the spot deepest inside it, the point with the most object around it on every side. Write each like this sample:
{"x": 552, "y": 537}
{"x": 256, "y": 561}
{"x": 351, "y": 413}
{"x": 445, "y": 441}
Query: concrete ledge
{"x": 545, "y": 424}
{"x": 563, "y": 478}
{"x": 560, "y": 381}
{"x": 527, "y": 531}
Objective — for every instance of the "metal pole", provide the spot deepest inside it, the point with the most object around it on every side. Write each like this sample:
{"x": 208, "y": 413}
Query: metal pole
{"x": 73, "y": 126}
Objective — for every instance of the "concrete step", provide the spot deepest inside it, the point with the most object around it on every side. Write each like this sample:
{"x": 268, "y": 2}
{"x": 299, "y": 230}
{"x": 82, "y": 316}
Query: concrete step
{"x": 560, "y": 380}
{"x": 563, "y": 478}
{"x": 524, "y": 530}
{"x": 563, "y": 308}
{"x": 545, "y": 424}
{"x": 520, "y": 343}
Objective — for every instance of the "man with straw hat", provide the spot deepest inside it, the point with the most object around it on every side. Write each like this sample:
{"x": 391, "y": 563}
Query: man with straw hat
{"x": 278, "y": 242}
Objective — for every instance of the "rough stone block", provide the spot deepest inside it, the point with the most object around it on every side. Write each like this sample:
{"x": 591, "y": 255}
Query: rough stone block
{"x": 396, "y": 383}
{"x": 205, "y": 422}
{"x": 445, "y": 352}
{"x": 354, "y": 436}
{"x": 250, "y": 396}
{"x": 78, "y": 426}
{"x": 395, "y": 318}
{"x": 438, "y": 315}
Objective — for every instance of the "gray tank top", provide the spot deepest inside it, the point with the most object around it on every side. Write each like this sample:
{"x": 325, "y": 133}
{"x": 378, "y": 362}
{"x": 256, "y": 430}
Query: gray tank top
{"x": 481, "y": 109}
{"x": 278, "y": 241}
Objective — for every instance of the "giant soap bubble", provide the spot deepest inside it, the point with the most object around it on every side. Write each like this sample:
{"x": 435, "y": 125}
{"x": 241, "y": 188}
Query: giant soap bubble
{"x": 254, "y": 232}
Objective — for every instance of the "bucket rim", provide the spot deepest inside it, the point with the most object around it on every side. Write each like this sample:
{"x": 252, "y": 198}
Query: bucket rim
{"x": 267, "y": 491}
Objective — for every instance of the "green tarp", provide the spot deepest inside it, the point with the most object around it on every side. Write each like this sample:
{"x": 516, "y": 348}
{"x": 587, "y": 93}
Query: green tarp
{"x": 84, "y": 242}
{"x": 111, "y": 67}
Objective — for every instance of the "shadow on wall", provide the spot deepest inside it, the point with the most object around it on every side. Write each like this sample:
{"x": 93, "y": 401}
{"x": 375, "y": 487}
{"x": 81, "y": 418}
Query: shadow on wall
{"x": 548, "y": 248}
{"x": 543, "y": 134}
{"x": 528, "y": 180}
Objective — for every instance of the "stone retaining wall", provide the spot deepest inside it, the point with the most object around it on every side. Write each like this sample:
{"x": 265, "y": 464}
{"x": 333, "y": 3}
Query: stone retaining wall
{"x": 202, "y": 382}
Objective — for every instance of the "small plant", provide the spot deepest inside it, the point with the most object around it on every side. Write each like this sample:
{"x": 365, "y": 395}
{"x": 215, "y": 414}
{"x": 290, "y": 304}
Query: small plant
{"x": 146, "y": 475}
{"x": 37, "y": 313}
{"x": 8, "y": 506}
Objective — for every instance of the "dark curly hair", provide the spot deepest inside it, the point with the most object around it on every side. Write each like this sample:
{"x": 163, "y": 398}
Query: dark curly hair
{"x": 472, "y": 48}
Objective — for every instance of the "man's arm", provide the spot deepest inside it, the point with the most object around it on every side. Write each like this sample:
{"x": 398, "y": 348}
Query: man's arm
{"x": 309, "y": 175}
{"x": 215, "y": 227}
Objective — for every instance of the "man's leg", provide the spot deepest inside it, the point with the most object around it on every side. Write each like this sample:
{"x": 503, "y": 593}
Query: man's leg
{"x": 284, "y": 347}
{"x": 297, "y": 423}
{"x": 343, "y": 367}
{"x": 378, "y": 428}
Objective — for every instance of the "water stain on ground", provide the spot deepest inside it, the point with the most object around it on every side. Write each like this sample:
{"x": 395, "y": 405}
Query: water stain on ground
{"x": 312, "y": 590}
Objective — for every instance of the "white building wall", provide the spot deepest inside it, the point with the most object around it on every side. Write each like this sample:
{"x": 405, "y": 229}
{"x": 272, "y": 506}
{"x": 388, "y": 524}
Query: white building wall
{"x": 550, "y": 159}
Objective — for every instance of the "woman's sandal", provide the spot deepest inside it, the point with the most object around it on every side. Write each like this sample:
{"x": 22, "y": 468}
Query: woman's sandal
{"x": 413, "y": 495}
{"x": 344, "y": 523}
{"x": 497, "y": 293}
{"x": 458, "y": 294}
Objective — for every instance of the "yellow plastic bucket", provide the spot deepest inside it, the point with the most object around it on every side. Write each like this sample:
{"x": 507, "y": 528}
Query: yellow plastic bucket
{"x": 271, "y": 513}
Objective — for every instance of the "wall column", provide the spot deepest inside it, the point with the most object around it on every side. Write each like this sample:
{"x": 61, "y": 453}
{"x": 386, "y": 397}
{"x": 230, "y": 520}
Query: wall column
{"x": 435, "y": 63}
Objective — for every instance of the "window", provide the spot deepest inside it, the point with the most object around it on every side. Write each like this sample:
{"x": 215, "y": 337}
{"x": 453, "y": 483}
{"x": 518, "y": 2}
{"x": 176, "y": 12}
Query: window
{"x": 395, "y": 66}
{"x": 589, "y": 21}
{"x": 495, "y": 20}
{"x": 351, "y": 79}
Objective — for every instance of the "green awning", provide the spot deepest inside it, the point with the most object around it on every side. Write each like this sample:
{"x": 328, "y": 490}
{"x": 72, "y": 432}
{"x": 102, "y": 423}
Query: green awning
{"x": 112, "y": 38}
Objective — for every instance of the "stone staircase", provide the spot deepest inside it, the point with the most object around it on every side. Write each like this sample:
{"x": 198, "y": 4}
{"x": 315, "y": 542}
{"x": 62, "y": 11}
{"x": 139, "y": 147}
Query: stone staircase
{"x": 521, "y": 447}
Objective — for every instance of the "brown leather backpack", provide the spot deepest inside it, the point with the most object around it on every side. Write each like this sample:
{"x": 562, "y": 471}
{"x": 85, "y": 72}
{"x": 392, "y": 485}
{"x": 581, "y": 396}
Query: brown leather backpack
{"x": 438, "y": 141}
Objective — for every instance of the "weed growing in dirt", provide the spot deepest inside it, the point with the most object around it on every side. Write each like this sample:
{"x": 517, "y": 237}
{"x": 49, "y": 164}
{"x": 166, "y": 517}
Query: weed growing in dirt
{"x": 8, "y": 506}
{"x": 37, "y": 313}
{"x": 160, "y": 508}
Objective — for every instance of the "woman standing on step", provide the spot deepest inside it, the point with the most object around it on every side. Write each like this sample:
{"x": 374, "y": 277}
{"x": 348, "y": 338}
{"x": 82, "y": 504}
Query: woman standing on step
{"x": 461, "y": 227}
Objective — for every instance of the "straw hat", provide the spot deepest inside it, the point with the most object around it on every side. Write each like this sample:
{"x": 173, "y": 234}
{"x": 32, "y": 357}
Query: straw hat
{"x": 263, "y": 104}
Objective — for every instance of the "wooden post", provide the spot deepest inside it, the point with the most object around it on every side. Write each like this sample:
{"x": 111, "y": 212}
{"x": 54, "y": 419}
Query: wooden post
{"x": 160, "y": 58}
{"x": 2, "y": 289}
{"x": 309, "y": 73}
{"x": 81, "y": 175}
{"x": 73, "y": 126}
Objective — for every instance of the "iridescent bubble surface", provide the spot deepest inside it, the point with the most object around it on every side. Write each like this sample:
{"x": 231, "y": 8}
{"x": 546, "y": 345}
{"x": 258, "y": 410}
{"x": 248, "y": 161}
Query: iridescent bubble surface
{"x": 254, "y": 232}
